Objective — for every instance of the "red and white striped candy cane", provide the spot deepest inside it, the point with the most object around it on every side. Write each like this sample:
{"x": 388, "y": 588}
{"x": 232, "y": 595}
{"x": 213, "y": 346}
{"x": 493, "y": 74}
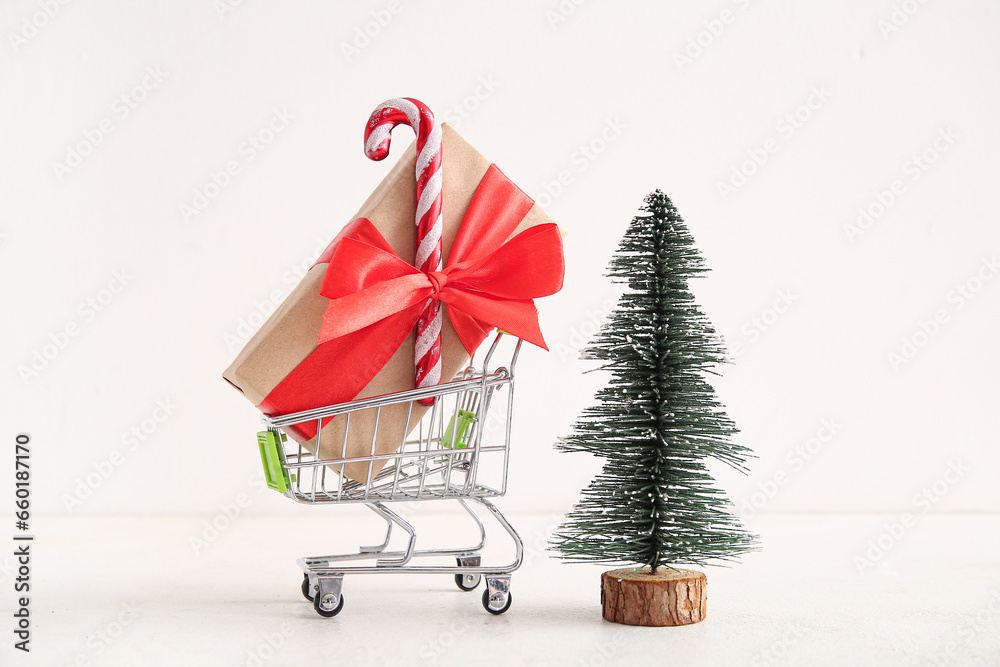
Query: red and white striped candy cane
{"x": 389, "y": 114}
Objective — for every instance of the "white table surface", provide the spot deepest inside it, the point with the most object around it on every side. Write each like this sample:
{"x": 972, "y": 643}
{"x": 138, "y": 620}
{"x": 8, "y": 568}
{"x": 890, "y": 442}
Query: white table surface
{"x": 933, "y": 598}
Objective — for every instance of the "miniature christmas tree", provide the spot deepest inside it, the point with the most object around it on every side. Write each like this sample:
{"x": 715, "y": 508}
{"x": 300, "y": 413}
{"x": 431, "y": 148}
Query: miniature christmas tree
{"x": 657, "y": 423}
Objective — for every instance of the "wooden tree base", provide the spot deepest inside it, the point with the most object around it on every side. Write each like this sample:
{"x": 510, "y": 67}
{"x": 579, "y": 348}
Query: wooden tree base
{"x": 669, "y": 597}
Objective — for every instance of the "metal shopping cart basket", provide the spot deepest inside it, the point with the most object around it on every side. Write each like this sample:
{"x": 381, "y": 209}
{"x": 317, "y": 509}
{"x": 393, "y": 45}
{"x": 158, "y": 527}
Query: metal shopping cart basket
{"x": 460, "y": 442}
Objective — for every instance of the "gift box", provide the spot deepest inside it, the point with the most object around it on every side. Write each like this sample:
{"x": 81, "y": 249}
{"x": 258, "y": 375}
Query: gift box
{"x": 331, "y": 342}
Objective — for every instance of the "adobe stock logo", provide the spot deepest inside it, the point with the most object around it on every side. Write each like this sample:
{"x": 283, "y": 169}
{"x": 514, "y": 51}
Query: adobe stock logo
{"x": 223, "y": 8}
{"x": 58, "y": 340}
{"x": 786, "y": 128}
{"x": 263, "y": 308}
{"x": 269, "y": 646}
{"x": 797, "y": 458}
{"x": 584, "y": 156}
{"x": 103, "y": 638}
{"x": 957, "y": 298}
{"x": 435, "y": 648}
{"x": 581, "y": 333}
{"x": 131, "y": 440}
{"x": 31, "y": 25}
{"x": 485, "y": 88}
{"x": 710, "y": 33}
{"x": 899, "y": 17}
{"x": 364, "y": 34}
{"x": 121, "y": 108}
{"x": 983, "y": 620}
{"x": 894, "y": 531}
{"x": 779, "y": 648}
{"x": 912, "y": 169}
{"x": 255, "y": 143}
{"x": 754, "y": 328}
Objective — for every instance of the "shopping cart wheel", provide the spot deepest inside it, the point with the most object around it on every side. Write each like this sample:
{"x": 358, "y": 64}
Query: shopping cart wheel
{"x": 468, "y": 582}
{"x": 307, "y": 590}
{"x": 323, "y": 604}
{"x": 497, "y": 606}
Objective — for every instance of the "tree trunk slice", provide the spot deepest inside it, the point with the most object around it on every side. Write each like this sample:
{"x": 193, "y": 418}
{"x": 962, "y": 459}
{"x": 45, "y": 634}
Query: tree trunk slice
{"x": 669, "y": 597}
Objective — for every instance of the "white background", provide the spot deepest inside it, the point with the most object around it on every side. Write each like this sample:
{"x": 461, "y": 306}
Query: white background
{"x": 613, "y": 100}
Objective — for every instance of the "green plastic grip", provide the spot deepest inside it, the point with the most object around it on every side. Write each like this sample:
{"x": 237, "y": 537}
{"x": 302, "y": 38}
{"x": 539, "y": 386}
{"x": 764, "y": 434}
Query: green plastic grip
{"x": 272, "y": 456}
{"x": 460, "y": 432}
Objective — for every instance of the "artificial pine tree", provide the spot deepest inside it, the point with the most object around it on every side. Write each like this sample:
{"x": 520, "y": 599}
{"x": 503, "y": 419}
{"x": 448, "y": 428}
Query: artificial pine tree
{"x": 658, "y": 420}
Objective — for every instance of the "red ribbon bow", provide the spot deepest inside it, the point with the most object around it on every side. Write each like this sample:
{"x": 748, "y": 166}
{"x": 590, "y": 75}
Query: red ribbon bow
{"x": 376, "y": 297}
{"x": 486, "y": 283}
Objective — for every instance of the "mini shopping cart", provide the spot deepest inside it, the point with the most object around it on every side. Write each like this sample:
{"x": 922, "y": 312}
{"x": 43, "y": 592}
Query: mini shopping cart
{"x": 461, "y": 441}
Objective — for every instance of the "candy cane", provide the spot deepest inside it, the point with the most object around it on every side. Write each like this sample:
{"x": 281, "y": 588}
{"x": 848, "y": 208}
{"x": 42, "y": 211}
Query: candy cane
{"x": 389, "y": 114}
